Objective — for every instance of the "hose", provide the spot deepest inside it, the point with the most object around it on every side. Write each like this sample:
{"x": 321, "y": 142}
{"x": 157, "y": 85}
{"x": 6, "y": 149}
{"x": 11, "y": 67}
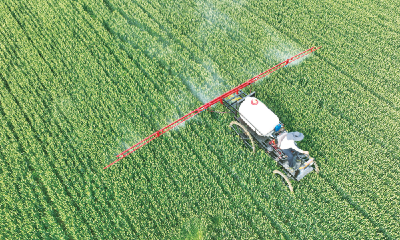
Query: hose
{"x": 216, "y": 111}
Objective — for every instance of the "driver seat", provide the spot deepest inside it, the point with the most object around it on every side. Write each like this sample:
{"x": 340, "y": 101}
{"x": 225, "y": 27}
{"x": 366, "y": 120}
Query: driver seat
{"x": 280, "y": 138}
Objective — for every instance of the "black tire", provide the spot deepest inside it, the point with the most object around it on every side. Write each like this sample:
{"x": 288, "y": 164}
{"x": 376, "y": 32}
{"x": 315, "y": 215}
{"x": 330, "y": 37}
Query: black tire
{"x": 243, "y": 134}
{"x": 316, "y": 167}
{"x": 285, "y": 178}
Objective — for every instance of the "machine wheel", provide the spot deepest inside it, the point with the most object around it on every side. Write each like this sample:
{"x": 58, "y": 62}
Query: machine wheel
{"x": 243, "y": 134}
{"x": 316, "y": 167}
{"x": 286, "y": 179}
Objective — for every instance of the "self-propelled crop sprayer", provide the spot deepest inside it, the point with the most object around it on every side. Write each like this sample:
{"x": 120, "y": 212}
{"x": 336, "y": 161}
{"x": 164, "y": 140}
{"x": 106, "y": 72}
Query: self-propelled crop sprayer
{"x": 255, "y": 124}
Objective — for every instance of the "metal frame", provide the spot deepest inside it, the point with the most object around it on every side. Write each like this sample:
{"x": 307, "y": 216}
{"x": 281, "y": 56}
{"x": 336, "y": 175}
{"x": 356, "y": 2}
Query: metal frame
{"x": 209, "y": 104}
{"x": 267, "y": 143}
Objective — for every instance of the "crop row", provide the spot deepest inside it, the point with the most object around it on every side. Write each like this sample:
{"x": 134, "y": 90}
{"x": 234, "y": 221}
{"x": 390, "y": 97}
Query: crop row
{"x": 362, "y": 103}
{"x": 246, "y": 167}
{"x": 180, "y": 54}
{"x": 129, "y": 79}
{"x": 350, "y": 39}
{"x": 386, "y": 165}
{"x": 90, "y": 113}
{"x": 52, "y": 130}
{"x": 348, "y": 159}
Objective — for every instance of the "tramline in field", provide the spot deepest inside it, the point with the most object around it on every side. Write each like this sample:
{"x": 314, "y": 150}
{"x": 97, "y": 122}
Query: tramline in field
{"x": 254, "y": 121}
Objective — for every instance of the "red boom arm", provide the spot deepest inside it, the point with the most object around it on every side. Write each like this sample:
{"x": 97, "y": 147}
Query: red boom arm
{"x": 209, "y": 104}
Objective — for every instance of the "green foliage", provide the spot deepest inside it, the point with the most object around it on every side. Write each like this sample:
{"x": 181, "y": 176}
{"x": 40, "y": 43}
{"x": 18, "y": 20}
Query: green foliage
{"x": 82, "y": 80}
{"x": 192, "y": 229}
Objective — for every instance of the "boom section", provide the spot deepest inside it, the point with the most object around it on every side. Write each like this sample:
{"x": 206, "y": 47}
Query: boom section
{"x": 209, "y": 104}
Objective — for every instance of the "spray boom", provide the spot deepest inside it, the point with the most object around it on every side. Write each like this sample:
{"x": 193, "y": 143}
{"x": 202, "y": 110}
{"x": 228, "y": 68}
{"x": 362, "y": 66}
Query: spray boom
{"x": 209, "y": 104}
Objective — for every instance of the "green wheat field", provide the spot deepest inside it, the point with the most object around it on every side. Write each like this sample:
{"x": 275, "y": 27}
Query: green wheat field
{"x": 83, "y": 80}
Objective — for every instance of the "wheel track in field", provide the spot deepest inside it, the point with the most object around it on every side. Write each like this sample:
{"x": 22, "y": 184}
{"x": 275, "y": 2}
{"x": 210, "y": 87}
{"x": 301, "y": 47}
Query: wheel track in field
{"x": 8, "y": 168}
{"x": 171, "y": 102}
{"x": 124, "y": 215}
{"x": 64, "y": 185}
{"x": 236, "y": 179}
{"x": 354, "y": 79}
{"x": 148, "y": 97}
{"x": 347, "y": 197}
{"x": 52, "y": 165}
{"x": 334, "y": 186}
{"x": 336, "y": 68}
{"x": 173, "y": 38}
{"x": 38, "y": 181}
{"x": 166, "y": 167}
{"x": 362, "y": 85}
{"x": 253, "y": 197}
{"x": 219, "y": 184}
{"x": 352, "y": 204}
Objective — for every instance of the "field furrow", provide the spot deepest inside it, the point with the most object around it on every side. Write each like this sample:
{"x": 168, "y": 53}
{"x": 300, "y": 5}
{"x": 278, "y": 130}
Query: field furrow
{"x": 81, "y": 81}
{"x": 348, "y": 43}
